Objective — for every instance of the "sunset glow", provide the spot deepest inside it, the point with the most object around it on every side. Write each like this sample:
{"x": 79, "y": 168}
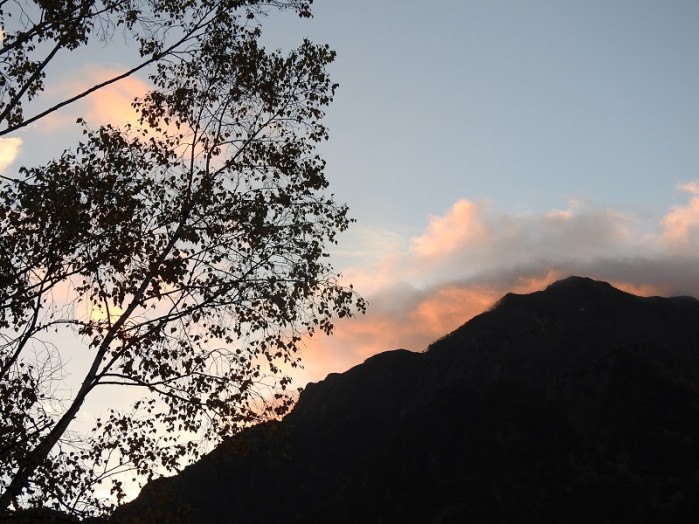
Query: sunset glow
{"x": 470, "y": 257}
{"x": 9, "y": 149}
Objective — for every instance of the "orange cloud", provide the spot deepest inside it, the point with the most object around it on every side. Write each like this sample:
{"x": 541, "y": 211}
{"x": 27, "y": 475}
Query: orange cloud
{"x": 9, "y": 149}
{"x": 112, "y": 104}
{"x": 683, "y": 220}
{"x": 108, "y": 105}
{"x": 459, "y": 226}
{"x": 450, "y": 307}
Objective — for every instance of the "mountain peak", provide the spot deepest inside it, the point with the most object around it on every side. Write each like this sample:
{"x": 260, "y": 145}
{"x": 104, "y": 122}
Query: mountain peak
{"x": 576, "y": 282}
{"x": 571, "y": 290}
{"x": 585, "y": 286}
{"x": 586, "y": 292}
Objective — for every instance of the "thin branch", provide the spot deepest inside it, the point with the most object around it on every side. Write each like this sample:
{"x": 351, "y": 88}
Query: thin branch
{"x": 29, "y": 330}
{"x": 155, "y": 58}
{"x": 28, "y": 84}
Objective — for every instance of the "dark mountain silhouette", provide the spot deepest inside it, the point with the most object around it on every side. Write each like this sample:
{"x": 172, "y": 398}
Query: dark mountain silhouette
{"x": 579, "y": 403}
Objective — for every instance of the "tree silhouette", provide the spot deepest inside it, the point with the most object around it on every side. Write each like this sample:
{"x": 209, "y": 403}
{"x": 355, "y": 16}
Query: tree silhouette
{"x": 187, "y": 252}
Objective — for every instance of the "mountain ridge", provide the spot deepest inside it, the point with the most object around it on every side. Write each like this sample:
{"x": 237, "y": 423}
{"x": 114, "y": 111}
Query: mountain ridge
{"x": 576, "y": 403}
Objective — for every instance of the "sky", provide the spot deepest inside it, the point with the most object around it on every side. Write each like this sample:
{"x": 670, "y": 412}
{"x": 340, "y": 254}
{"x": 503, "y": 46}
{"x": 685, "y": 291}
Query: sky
{"x": 494, "y": 146}
{"x": 483, "y": 147}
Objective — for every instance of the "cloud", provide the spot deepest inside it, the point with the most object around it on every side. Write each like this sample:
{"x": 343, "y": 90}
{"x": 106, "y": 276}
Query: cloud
{"x": 9, "y": 149}
{"x": 107, "y": 105}
{"x": 112, "y": 104}
{"x": 461, "y": 226}
{"x": 682, "y": 222}
{"x": 689, "y": 187}
{"x": 468, "y": 258}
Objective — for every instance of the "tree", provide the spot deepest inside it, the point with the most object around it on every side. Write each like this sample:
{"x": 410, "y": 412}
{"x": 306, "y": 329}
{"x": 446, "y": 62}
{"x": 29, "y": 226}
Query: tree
{"x": 186, "y": 252}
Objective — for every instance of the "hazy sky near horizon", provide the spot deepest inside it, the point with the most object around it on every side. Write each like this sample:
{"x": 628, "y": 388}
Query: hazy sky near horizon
{"x": 484, "y": 146}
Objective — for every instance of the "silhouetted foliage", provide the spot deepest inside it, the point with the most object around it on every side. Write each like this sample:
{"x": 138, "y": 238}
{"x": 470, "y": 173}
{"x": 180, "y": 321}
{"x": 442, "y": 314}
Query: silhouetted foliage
{"x": 186, "y": 253}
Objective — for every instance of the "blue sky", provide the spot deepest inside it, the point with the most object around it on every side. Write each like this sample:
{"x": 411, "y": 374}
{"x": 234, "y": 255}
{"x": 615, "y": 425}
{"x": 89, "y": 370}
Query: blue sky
{"x": 484, "y": 146}
{"x": 527, "y": 104}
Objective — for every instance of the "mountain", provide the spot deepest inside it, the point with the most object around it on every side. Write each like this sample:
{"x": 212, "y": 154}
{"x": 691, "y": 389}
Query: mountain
{"x": 579, "y": 403}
